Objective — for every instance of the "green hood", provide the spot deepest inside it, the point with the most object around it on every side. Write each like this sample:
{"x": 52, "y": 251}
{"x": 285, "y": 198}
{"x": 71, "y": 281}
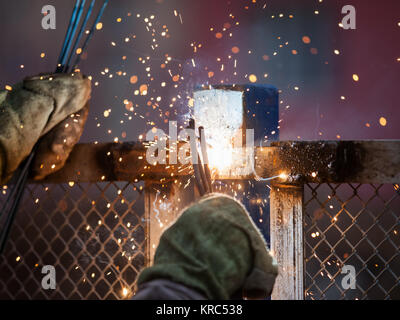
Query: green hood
{"x": 215, "y": 248}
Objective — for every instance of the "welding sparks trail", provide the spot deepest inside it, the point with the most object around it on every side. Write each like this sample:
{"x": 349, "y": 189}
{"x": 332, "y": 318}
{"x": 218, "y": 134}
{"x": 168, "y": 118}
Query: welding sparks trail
{"x": 282, "y": 176}
{"x": 155, "y": 208}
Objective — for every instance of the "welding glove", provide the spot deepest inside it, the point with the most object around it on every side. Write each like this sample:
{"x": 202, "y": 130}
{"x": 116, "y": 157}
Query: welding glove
{"x": 50, "y": 107}
{"x": 215, "y": 249}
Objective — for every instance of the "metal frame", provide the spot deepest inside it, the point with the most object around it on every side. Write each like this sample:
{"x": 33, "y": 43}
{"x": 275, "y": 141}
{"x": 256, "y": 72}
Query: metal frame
{"x": 321, "y": 162}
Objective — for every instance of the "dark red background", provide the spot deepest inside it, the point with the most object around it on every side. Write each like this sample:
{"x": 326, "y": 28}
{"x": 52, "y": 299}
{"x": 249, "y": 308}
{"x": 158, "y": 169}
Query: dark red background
{"x": 316, "y": 110}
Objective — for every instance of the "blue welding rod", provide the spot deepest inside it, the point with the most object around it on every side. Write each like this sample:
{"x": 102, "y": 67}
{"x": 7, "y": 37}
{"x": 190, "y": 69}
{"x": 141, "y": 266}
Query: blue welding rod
{"x": 68, "y": 34}
{"x": 80, "y": 34}
{"x": 78, "y": 58}
{"x": 72, "y": 36}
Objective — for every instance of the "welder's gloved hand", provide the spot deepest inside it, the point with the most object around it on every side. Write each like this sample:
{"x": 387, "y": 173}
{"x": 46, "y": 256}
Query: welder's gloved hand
{"x": 215, "y": 249}
{"x": 51, "y": 107}
{"x": 55, "y": 147}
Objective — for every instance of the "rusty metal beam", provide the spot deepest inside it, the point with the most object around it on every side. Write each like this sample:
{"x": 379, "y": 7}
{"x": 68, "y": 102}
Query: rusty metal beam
{"x": 370, "y": 161}
{"x": 90, "y": 162}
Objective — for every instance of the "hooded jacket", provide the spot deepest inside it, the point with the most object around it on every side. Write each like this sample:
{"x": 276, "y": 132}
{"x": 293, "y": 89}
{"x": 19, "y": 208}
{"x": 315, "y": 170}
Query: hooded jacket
{"x": 215, "y": 249}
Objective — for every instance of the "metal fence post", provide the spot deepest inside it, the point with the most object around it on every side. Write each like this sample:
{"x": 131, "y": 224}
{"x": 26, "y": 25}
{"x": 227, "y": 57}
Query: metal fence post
{"x": 287, "y": 240}
{"x": 163, "y": 204}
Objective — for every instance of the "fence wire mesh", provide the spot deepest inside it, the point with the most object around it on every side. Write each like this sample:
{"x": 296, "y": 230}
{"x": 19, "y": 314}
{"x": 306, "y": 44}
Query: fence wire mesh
{"x": 94, "y": 234}
{"x": 355, "y": 225}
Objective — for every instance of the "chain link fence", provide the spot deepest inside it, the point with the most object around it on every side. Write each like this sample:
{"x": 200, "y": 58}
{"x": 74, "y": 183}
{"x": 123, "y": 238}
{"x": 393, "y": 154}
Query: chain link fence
{"x": 355, "y": 225}
{"x": 94, "y": 234}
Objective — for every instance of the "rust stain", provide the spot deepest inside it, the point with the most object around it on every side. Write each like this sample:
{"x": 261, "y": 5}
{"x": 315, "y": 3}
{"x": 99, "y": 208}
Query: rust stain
{"x": 349, "y": 160}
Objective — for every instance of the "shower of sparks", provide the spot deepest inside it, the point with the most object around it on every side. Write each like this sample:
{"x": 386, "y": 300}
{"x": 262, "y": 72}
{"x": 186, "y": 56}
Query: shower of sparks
{"x": 158, "y": 87}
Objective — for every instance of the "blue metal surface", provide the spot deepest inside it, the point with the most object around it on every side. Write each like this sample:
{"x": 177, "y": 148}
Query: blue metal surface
{"x": 262, "y": 115}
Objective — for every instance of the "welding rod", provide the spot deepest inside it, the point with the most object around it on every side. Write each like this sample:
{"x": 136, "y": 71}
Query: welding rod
{"x": 72, "y": 36}
{"x": 202, "y": 172}
{"x": 92, "y": 30}
{"x": 16, "y": 193}
{"x": 80, "y": 34}
{"x": 68, "y": 34}
{"x": 196, "y": 165}
{"x": 197, "y": 177}
{"x": 61, "y": 64}
{"x": 203, "y": 146}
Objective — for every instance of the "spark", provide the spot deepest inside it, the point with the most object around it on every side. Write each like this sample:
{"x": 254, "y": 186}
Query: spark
{"x": 253, "y": 78}
{"x": 306, "y": 39}
{"x": 235, "y": 50}
{"x": 282, "y": 176}
{"x": 314, "y": 174}
{"x": 383, "y": 121}
{"x": 133, "y": 79}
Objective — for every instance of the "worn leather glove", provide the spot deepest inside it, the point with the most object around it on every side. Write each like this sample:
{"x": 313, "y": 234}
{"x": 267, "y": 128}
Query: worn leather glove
{"x": 215, "y": 248}
{"x": 50, "y": 107}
